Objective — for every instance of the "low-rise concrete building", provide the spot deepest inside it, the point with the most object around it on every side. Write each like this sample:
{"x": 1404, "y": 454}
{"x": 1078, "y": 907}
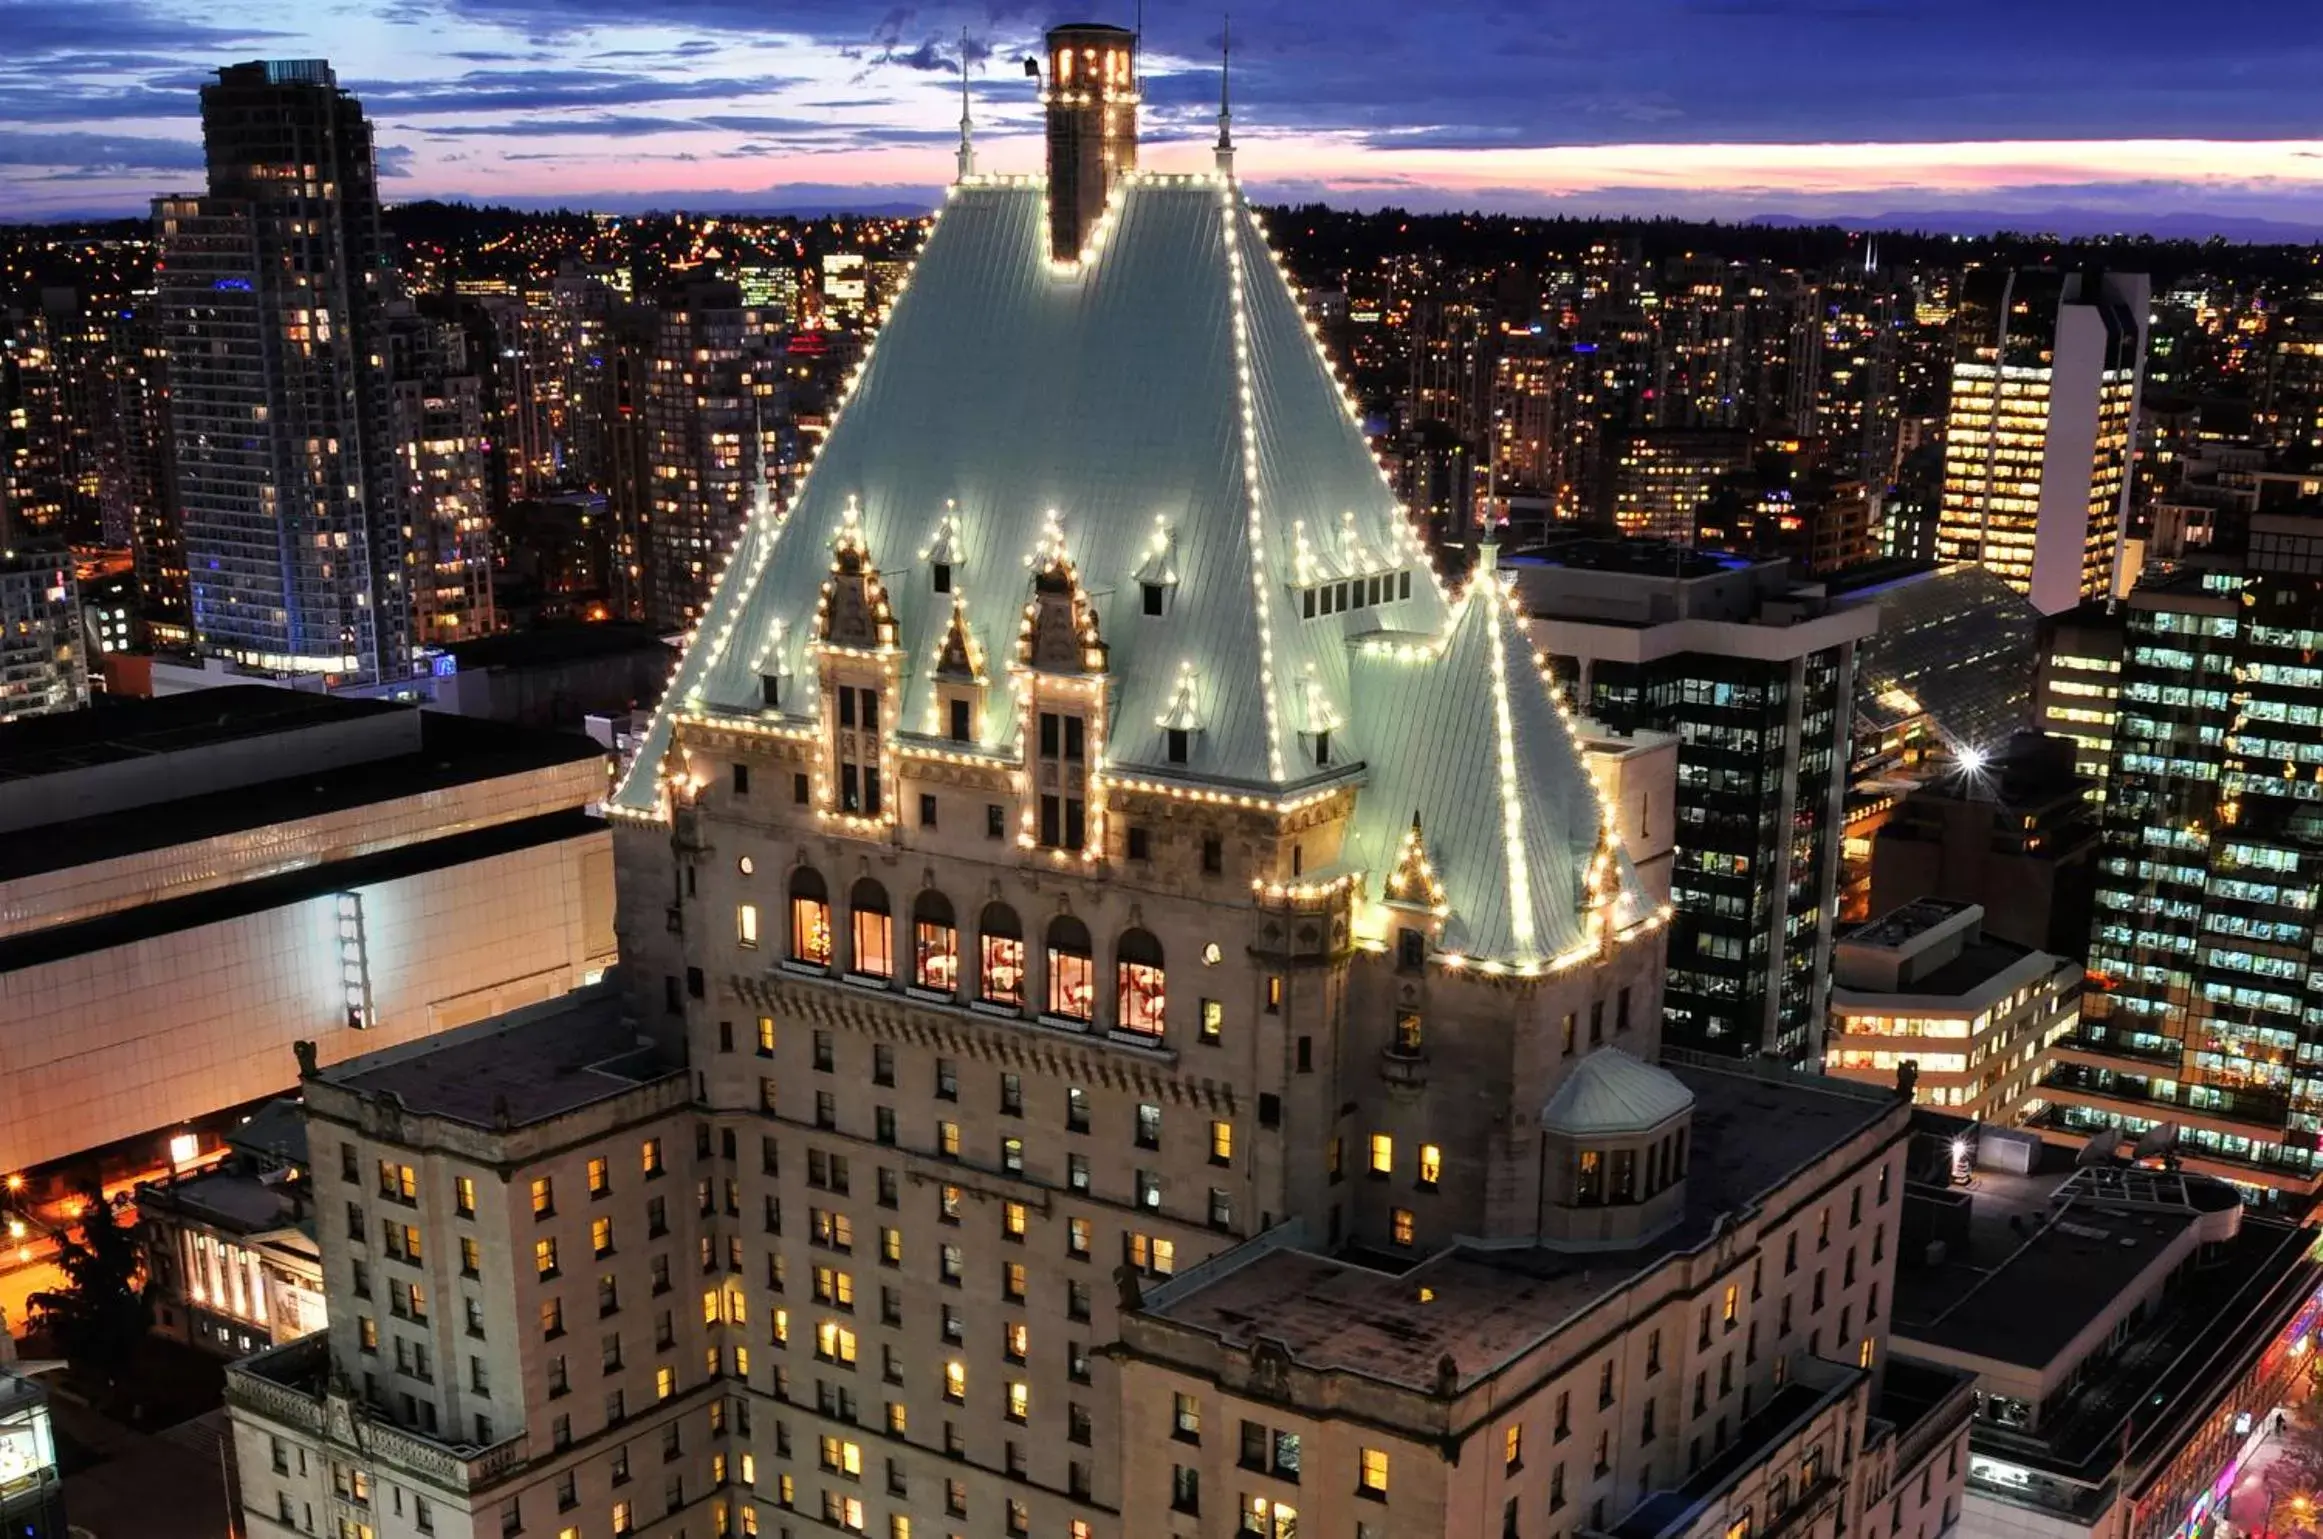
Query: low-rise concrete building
{"x": 1973, "y": 1017}
{"x": 189, "y": 885}
{"x": 2133, "y": 1333}
{"x": 230, "y": 1251}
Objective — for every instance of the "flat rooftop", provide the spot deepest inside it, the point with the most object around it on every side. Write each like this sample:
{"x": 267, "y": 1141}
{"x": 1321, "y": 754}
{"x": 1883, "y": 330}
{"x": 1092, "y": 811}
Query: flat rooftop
{"x": 276, "y": 1131}
{"x": 524, "y": 1067}
{"x": 2048, "y": 1255}
{"x": 449, "y": 751}
{"x": 235, "y": 1200}
{"x": 1636, "y": 558}
{"x": 1979, "y": 962}
{"x": 1487, "y": 1307}
{"x": 559, "y": 645}
{"x": 1899, "y": 926}
{"x": 120, "y": 729}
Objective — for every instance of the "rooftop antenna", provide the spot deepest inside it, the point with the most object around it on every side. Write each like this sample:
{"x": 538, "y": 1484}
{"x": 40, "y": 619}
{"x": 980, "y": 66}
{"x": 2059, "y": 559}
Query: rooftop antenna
{"x": 1225, "y": 107}
{"x": 967, "y": 138}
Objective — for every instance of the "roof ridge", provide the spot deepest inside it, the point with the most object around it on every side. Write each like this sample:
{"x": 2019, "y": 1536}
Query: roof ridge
{"x": 1247, "y": 427}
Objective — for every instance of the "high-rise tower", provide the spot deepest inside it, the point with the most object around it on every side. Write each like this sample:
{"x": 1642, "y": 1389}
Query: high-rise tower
{"x": 1092, "y": 99}
{"x": 2044, "y": 402}
{"x": 271, "y": 290}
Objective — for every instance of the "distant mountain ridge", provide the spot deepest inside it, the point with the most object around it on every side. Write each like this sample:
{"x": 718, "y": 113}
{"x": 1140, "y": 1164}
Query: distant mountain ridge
{"x": 2069, "y": 222}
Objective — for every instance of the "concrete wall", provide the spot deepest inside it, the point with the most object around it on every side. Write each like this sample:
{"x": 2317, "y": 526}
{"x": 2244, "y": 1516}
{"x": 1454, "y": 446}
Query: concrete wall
{"x": 114, "y": 1043}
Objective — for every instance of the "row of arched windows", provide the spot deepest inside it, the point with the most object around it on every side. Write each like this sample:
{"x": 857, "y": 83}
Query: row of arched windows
{"x": 996, "y": 950}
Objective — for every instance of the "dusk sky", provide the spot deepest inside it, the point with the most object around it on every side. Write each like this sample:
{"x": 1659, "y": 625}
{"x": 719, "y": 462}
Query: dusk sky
{"x": 2150, "y": 113}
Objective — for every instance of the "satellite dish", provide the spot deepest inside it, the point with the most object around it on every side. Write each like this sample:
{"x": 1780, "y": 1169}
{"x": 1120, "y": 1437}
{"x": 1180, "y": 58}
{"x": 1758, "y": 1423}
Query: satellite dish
{"x": 2155, "y": 1140}
{"x": 2099, "y": 1149}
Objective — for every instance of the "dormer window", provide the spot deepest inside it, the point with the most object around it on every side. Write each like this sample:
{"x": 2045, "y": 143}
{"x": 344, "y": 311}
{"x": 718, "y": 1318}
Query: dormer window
{"x": 1323, "y": 747}
{"x": 770, "y": 690}
{"x": 1155, "y": 597}
{"x": 942, "y": 576}
{"x": 1180, "y": 744}
{"x": 962, "y": 730}
{"x": 1063, "y": 776}
{"x": 855, "y": 747}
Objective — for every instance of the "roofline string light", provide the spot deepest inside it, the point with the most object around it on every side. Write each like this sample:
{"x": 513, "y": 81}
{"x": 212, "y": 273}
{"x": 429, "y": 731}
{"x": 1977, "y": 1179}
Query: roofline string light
{"x": 1051, "y": 558}
{"x": 1230, "y": 205}
{"x": 667, "y": 715}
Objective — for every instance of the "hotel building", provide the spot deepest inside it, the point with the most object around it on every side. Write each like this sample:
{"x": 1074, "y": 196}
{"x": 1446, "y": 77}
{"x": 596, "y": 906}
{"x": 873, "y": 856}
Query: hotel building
{"x": 1085, "y": 859}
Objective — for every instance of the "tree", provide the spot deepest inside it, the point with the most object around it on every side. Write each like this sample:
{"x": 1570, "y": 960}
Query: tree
{"x": 2293, "y": 1477}
{"x": 101, "y": 1318}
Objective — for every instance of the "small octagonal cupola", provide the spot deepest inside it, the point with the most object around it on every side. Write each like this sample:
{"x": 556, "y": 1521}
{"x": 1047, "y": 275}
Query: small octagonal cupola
{"x": 1614, "y": 1142}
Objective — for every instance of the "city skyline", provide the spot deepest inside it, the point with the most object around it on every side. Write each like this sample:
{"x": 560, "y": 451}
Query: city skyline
{"x": 1894, "y": 113}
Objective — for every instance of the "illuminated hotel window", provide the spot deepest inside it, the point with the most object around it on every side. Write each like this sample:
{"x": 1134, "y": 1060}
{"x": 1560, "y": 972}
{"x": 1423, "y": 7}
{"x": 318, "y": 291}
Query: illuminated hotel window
{"x": 746, "y": 925}
{"x": 1139, "y": 984}
{"x": 1072, "y": 970}
{"x": 1000, "y": 973}
{"x": 874, "y": 931}
{"x": 935, "y": 943}
{"x": 810, "y": 918}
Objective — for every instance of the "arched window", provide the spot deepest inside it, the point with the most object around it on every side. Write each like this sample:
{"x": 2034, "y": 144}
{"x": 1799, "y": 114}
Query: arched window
{"x": 1072, "y": 970}
{"x": 935, "y": 943}
{"x": 1140, "y": 996}
{"x": 874, "y": 931}
{"x": 1000, "y": 960}
{"x": 810, "y": 918}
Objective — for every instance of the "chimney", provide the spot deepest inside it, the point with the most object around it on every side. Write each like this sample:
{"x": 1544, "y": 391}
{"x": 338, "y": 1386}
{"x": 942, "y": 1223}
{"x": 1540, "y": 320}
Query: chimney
{"x": 1091, "y": 94}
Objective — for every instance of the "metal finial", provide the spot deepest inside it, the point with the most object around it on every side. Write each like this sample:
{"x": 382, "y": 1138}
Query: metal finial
{"x": 967, "y": 131}
{"x": 1225, "y": 105}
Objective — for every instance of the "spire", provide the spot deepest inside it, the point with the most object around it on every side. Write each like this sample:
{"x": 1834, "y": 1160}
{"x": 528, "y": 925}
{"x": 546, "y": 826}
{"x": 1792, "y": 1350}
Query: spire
{"x": 967, "y": 133}
{"x": 1225, "y": 107}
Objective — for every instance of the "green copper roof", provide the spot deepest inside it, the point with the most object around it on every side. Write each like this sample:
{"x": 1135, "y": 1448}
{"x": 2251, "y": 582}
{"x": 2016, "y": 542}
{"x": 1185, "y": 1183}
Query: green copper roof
{"x": 1163, "y": 410}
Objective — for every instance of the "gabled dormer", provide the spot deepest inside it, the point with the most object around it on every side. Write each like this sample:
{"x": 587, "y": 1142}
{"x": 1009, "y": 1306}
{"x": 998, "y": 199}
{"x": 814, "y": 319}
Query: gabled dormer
{"x": 1061, "y": 668}
{"x": 943, "y": 556}
{"x": 1414, "y": 896}
{"x": 859, "y": 659}
{"x": 1157, "y": 574}
{"x": 775, "y": 673}
{"x": 1318, "y": 720}
{"x": 956, "y": 706}
{"x": 854, "y": 614}
{"x": 1182, "y": 720}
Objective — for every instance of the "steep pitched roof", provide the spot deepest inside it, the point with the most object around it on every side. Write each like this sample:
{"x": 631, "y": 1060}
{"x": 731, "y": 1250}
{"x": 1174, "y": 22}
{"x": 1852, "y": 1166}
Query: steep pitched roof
{"x": 1162, "y": 410}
